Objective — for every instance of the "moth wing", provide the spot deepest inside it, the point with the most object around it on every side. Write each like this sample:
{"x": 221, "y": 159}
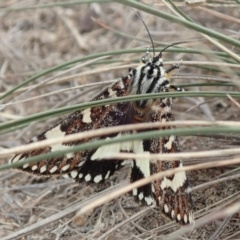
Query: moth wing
{"x": 141, "y": 169}
{"x": 172, "y": 193}
{"x": 80, "y": 165}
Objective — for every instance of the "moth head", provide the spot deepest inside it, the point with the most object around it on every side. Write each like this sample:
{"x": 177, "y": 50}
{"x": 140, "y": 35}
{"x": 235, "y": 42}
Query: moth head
{"x": 157, "y": 61}
{"x": 150, "y": 77}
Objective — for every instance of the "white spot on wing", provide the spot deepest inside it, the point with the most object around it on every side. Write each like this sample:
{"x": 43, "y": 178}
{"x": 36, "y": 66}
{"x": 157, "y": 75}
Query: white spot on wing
{"x": 168, "y": 145}
{"x": 153, "y": 188}
{"x": 66, "y": 167}
{"x": 107, "y": 175}
{"x": 190, "y": 217}
{"x": 86, "y": 115}
{"x": 56, "y": 132}
{"x": 69, "y": 155}
{"x": 111, "y": 149}
{"x": 25, "y": 165}
{"x": 53, "y": 169}
{"x": 172, "y": 213}
{"x": 43, "y": 169}
{"x": 166, "y": 209}
{"x": 134, "y": 191}
{"x": 16, "y": 158}
{"x": 164, "y": 120}
{"x": 80, "y": 175}
{"x": 106, "y": 150}
{"x": 73, "y": 174}
{"x": 98, "y": 178}
{"x": 126, "y": 146}
{"x": 178, "y": 180}
{"x": 148, "y": 200}
{"x": 179, "y": 217}
{"x": 185, "y": 218}
{"x": 81, "y": 163}
{"x": 88, "y": 177}
{"x": 34, "y": 167}
{"x": 111, "y": 92}
{"x": 140, "y": 196}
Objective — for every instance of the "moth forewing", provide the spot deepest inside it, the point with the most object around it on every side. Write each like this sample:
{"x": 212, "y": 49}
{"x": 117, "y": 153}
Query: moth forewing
{"x": 79, "y": 121}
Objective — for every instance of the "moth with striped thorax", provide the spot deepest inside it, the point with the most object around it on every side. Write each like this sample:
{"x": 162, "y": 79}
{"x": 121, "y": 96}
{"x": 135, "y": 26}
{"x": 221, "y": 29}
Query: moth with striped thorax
{"x": 172, "y": 194}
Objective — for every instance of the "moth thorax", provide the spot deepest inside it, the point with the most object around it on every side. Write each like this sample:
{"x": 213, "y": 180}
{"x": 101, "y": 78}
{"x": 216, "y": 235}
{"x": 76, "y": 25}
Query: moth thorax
{"x": 140, "y": 112}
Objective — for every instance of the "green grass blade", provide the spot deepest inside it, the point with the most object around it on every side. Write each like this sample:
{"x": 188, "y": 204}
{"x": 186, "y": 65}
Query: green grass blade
{"x": 177, "y": 20}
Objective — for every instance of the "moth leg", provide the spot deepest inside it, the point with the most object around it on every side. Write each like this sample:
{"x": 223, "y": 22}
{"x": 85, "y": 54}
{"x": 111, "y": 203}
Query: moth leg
{"x": 177, "y": 89}
{"x": 172, "y": 68}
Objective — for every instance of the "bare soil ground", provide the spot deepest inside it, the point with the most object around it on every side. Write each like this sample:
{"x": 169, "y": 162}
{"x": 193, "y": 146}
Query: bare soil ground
{"x": 36, "y": 39}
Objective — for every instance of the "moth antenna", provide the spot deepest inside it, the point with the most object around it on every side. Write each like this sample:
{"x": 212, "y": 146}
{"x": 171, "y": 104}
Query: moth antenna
{"x": 147, "y": 32}
{"x": 160, "y": 54}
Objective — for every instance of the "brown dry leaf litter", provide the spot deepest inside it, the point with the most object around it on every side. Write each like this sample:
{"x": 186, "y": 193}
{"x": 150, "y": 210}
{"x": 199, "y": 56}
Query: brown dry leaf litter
{"x": 33, "y": 40}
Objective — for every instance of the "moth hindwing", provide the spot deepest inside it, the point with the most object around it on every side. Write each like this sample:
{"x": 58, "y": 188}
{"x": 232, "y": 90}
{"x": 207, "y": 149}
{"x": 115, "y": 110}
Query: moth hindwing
{"x": 171, "y": 193}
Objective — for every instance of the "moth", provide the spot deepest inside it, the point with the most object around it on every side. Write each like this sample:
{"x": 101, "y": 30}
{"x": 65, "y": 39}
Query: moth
{"x": 172, "y": 194}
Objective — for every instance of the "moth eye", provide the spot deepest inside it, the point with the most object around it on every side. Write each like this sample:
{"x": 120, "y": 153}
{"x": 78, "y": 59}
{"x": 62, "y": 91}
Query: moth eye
{"x": 144, "y": 59}
{"x": 150, "y": 73}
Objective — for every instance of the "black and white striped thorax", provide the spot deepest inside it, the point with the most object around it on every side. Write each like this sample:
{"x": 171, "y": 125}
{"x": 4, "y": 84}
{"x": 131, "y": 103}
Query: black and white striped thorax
{"x": 171, "y": 193}
{"x": 150, "y": 77}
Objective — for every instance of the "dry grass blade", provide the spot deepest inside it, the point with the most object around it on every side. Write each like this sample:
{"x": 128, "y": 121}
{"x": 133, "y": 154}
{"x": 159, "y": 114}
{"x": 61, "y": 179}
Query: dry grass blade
{"x": 221, "y": 227}
{"x": 217, "y": 181}
{"x": 129, "y": 219}
{"x": 40, "y": 37}
{"x": 222, "y": 16}
{"x": 207, "y": 219}
{"x": 54, "y": 217}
